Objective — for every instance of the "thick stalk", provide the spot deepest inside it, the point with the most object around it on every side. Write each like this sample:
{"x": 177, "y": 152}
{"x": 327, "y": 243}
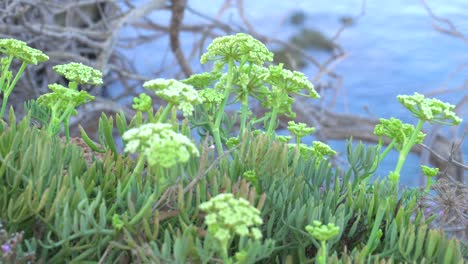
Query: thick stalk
{"x": 407, "y": 148}
{"x": 165, "y": 113}
{"x": 219, "y": 115}
{"x": 244, "y": 110}
{"x": 7, "y": 90}
{"x": 272, "y": 125}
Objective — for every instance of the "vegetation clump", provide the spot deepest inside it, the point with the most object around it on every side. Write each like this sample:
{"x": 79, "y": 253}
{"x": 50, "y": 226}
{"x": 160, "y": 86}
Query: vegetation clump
{"x": 232, "y": 196}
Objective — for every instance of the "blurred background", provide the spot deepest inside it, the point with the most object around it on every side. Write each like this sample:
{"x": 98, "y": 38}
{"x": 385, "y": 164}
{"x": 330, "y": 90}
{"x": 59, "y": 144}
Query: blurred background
{"x": 359, "y": 55}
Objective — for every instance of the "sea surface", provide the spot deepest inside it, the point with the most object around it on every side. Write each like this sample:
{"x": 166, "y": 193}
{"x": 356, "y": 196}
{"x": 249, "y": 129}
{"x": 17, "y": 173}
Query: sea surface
{"x": 392, "y": 49}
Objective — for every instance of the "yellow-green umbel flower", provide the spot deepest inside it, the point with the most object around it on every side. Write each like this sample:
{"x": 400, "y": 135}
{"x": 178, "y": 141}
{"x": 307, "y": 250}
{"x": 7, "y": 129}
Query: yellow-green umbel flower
{"x": 227, "y": 216}
{"x": 62, "y": 103}
{"x": 320, "y": 150}
{"x": 159, "y": 144}
{"x": 430, "y": 109}
{"x": 240, "y": 47}
{"x": 430, "y": 173}
{"x": 322, "y": 233}
{"x": 21, "y": 51}
{"x": 400, "y": 132}
{"x": 299, "y": 130}
{"x": 62, "y": 97}
{"x": 202, "y": 80}
{"x": 292, "y": 82}
{"x": 78, "y": 73}
{"x": 142, "y": 103}
{"x": 211, "y": 96}
{"x": 13, "y": 48}
{"x": 182, "y": 95}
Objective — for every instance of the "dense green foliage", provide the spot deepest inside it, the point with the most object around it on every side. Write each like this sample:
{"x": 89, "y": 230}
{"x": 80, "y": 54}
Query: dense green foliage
{"x": 252, "y": 198}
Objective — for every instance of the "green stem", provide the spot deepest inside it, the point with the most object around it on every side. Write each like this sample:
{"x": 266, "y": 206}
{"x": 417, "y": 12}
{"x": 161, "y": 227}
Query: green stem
{"x": 322, "y": 258}
{"x": 138, "y": 170}
{"x": 165, "y": 113}
{"x": 406, "y": 148}
{"x": 272, "y": 125}
{"x": 5, "y": 72}
{"x": 73, "y": 85}
{"x": 219, "y": 115}
{"x": 67, "y": 130}
{"x": 386, "y": 151}
{"x": 9, "y": 89}
{"x": 244, "y": 110}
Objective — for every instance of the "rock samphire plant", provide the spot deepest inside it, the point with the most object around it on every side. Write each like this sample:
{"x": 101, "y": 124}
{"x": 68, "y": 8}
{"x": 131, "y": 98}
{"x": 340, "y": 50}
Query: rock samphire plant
{"x": 168, "y": 198}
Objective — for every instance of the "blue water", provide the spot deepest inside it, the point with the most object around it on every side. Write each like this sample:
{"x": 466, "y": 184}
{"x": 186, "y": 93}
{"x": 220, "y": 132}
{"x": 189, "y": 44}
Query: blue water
{"x": 392, "y": 50}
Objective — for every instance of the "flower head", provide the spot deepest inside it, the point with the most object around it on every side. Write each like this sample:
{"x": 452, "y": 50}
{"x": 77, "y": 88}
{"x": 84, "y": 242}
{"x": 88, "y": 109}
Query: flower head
{"x": 159, "y": 144}
{"x": 182, "y": 95}
{"x": 429, "y": 172}
{"x": 289, "y": 81}
{"x": 227, "y": 216}
{"x": 63, "y": 97}
{"x": 395, "y": 129}
{"x": 142, "y": 103}
{"x": 6, "y": 248}
{"x": 202, "y": 80}
{"x": 22, "y": 51}
{"x": 300, "y": 130}
{"x": 211, "y": 96}
{"x": 431, "y": 110}
{"x": 79, "y": 73}
{"x": 322, "y": 232}
{"x": 320, "y": 150}
{"x": 240, "y": 47}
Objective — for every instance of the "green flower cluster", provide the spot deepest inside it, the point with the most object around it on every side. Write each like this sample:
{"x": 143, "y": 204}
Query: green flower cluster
{"x": 63, "y": 98}
{"x": 299, "y": 130}
{"x": 289, "y": 81}
{"x": 63, "y": 101}
{"x": 430, "y": 173}
{"x": 177, "y": 93}
{"x": 398, "y": 131}
{"x": 431, "y": 110}
{"x": 211, "y": 96}
{"x": 142, "y": 103}
{"x": 159, "y": 144}
{"x": 13, "y": 48}
{"x": 322, "y": 232}
{"x": 240, "y": 47}
{"x": 202, "y": 80}
{"x": 227, "y": 216}
{"x": 20, "y": 50}
{"x": 79, "y": 73}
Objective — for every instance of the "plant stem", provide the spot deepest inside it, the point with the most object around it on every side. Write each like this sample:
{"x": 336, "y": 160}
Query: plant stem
{"x": 9, "y": 89}
{"x": 272, "y": 125}
{"x": 406, "y": 148}
{"x": 165, "y": 113}
{"x": 244, "y": 110}
{"x": 219, "y": 115}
